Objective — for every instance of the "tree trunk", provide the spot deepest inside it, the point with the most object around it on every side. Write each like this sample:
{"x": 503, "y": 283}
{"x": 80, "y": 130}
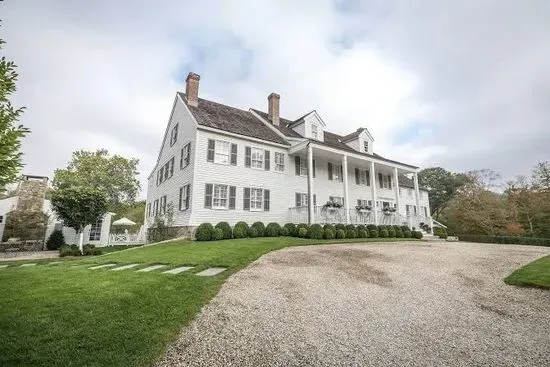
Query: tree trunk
{"x": 81, "y": 241}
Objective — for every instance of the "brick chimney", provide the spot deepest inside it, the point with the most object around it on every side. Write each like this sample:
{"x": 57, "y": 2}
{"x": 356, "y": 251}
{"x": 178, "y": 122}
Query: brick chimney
{"x": 192, "y": 89}
{"x": 273, "y": 108}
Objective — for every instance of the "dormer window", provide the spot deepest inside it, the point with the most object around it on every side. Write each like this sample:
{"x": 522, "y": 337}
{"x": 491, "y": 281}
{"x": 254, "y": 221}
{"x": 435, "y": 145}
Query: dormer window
{"x": 366, "y": 146}
{"x": 314, "y": 132}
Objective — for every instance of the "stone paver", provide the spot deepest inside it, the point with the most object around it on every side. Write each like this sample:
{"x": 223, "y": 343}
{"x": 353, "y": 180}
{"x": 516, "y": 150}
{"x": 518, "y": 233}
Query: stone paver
{"x": 55, "y": 263}
{"x": 101, "y": 266}
{"x": 27, "y": 265}
{"x": 125, "y": 267}
{"x": 3, "y": 266}
{"x": 150, "y": 268}
{"x": 210, "y": 272}
{"x": 177, "y": 270}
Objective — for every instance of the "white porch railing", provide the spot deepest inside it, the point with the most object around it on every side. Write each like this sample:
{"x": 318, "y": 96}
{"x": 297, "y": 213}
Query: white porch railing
{"x": 338, "y": 215}
{"x": 128, "y": 238}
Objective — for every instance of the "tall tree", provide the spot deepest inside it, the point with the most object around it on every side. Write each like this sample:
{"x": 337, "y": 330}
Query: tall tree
{"x": 79, "y": 206}
{"x": 11, "y": 132}
{"x": 442, "y": 185}
{"x": 541, "y": 176}
{"x": 115, "y": 175}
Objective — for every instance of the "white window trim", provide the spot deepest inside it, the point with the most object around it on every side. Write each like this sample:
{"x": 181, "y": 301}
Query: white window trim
{"x": 303, "y": 167}
{"x": 186, "y": 155}
{"x": 278, "y": 164}
{"x": 314, "y": 132}
{"x": 336, "y": 171}
{"x": 174, "y": 135}
{"x": 366, "y": 146}
{"x": 363, "y": 174}
{"x": 185, "y": 190}
{"x": 259, "y": 152}
{"x": 261, "y": 199}
{"x": 217, "y": 152}
{"x": 220, "y": 207}
{"x": 340, "y": 199}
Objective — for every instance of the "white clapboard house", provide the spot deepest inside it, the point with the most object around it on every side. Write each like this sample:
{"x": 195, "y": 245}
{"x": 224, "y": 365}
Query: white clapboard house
{"x": 220, "y": 163}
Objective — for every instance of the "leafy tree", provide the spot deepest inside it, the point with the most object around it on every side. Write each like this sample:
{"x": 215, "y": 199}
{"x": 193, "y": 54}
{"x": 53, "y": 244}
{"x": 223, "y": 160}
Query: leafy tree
{"x": 541, "y": 176}
{"x": 79, "y": 206}
{"x": 25, "y": 224}
{"x": 442, "y": 185}
{"x": 11, "y": 133}
{"x": 115, "y": 175}
{"x": 134, "y": 211}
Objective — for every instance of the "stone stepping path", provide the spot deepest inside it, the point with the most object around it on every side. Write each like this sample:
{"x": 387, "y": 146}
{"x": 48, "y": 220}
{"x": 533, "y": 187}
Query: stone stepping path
{"x": 150, "y": 268}
{"x": 27, "y": 265}
{"x": 129, "y": 266}
{"x": 102, "y": 266}
{"x": 3, "y": 266}
{"x": 210, "y": 272}
{"x": 55, "y": 263}
{"x": 177, "y": 270}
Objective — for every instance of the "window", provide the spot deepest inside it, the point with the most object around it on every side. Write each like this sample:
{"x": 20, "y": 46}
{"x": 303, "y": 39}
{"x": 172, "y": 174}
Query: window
{"x": 336, "y": 199}
{"x": 362, "y": 177}
{"x": 366, "y": 146}
{"x": 361, "y": 202}
{"x": 303, "y": 167}
{"x": 303, "y": 200}
{"x": 279, "y": 162}
{"x": 166, "y": 171}
{"x": 220, "y": 197}
{"x": 148, "y": 210}
{"x": 184, "y": 197}
{"x": 162, "y": 205}
{"x": 314, "y": 132}
{"x": 185, "y": 155}
{"x": 221, "y": 152}
{"x": 386, "y": 204}
{"x": 174, "y": 135}
{"x": 335, "y": 172}
{"x": 257, "y": 156}
{"x": 156, "y": 207}
{"x": 256, "y": 199}
{"x": 424, "y": 211}
{"x": 95, "y": 231}
{"x": 384, "y": 181}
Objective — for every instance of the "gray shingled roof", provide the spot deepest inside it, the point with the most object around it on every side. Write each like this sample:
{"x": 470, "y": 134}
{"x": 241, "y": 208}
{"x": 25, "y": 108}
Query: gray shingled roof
{"x": 353, "y": 134}
{"x": 231, "y": 119}
{"x": 283, "y": 125}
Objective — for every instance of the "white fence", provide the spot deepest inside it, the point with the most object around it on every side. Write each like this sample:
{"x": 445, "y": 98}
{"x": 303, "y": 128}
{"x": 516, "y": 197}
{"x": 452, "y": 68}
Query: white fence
{"x": 128, "y": 238}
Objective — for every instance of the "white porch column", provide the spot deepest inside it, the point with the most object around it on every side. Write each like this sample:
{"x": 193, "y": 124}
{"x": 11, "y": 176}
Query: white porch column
{"x": 416, "y": 193}
{"x": 396, "y": 186}
{"x": 346, "y": 196}
{"x": 373, "y": 191}
{"x": 310, "y": 207}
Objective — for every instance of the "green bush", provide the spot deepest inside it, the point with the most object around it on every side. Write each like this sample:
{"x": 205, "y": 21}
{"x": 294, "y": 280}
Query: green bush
{"x": 252, "y": 232}
{"x": 381, "y": 227}
{"x": 340, "y": 234}
{"x": 315, "y": 232}
{"x": 302, "y": 225}
{"x": 329, "y": 234}
{"x": 391, "y": 232}
{"x": 89, "y": 250}
{"x": 361, "y": 227}
{"x": 273, "y": 230}
{"x": 329, "y": 226}
{"x": 239, "y": 233}
{"x": 260, "y": 228}
{"x": 72, "y": 250}
{"x": 56, "y": 240}
{"x": 291, "y": 228}
{"x": 407, "y": 234}
{"x": 284, "y": 232}
{"x": 218, "y": 234}
{"x": 398, "y": 233}
{"x": 530, "y": 241}
{"x": 340, "y": 226}
{"x": 373, "y": 233}
{"x": 440, "y": 232}
{"x": 384, "y": 233}
{"x": 371, "y": 227}
{"x": 226, "y": 230}
{"x": 350, "y": 227}
{"x": 362, "y": 233}
{"x": 243, "y": 227}
{"x": 405, "y": 228}
{"x": 417, "y": 235}
{"x": 302, "y": 232}
{"x": 351, "y": 233}
{"x": 205, "y": 232}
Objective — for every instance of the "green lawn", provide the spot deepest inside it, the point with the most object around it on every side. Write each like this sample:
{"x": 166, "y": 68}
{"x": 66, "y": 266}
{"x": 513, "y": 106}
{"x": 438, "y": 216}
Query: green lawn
{"x": 535, "y": 274}
{"x": 72, "y": 316}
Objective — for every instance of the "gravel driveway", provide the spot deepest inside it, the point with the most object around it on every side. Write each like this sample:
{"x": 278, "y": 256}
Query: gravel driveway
{"x": 402, "y": 304}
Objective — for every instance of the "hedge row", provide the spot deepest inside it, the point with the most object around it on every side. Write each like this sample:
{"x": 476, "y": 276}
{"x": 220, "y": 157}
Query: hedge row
{"x": 73, "y": 250}
{"x": 222, "y": 230}
{"x": 531, "y": 241}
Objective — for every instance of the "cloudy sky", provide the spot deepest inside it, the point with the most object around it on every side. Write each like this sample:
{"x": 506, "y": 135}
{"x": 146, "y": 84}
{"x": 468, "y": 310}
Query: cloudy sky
{"x": 461, "y": 84}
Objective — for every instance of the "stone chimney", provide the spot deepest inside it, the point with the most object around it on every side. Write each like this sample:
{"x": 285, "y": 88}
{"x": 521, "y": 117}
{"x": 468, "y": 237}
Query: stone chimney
{"x": 273, "y": 108}
{"x": 31, "y": 193}
{"x": 192, "y": 89}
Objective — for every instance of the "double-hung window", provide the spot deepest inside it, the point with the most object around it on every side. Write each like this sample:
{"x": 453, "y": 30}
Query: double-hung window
{"x": 162, "y": 205}
{"x": 174, "y": 135}
{"x": 366, "y": 146}
{"x": 95, "y": 231}
{"x": 220, "y": 197}
{"x": 184, "y": 197}
{"x": 337, "y": 199}
{"x": 362, "y": 177}
{"x": 362, "y": 202}
{"x": 148, "y": 211}
{"x": 279, "y": 162}
{"x": 256, "y": 199}
{"x": 303, "y": 167}
{"x": 257, "y": 158}
{"x": 185, "y": 155}
{"x": 302, "y": 199}
{"x": 314, "y": 132}
{"x": 221, "y": 152}
{"x": 335, "y": 172}
{"x": 156, "y": 207}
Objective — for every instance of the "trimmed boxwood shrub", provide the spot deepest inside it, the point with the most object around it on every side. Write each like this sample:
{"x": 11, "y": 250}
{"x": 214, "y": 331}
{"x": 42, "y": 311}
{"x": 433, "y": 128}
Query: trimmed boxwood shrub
{"x": 350, "y": 227}
{"x": 71, "y": 250}
{"x": 373, "y": 233}
{"x": 205, "y": 232}
{"x": 351, "y": 233}
{"x": 340, "y": 234}
{"x": 239, "y": 233}
{"x": 407, "y": 234}
{"x": 371, "y": 227}
{"x": 417, "y": 235}
{"x": 302, "y": 232}
{"x": 56, "y": 240}
{"x": 398, "y": 233}
{"x": 273, "y": 230}
{"x": 405, "y": 228}
{"x": 329, "y": 226}
{"x": 329, "y": 234}
{"x": 315, "y": 232}
{"x": 301, "y": 225}
{"x": 88, "y": 250}
{"x": 244, "y": 228}
{"x": 340, "y": 226}
{"x": 391, "y": 232}
{"x": 291, "y": 228}
{"x": 361, "y": 227}
{"x": 440, "y": 232}
{"x": 383, "y": 233}
{"x": 226, "y": 230}
{"x": 252, "y": 232}
{"x": 218, "y": 234}
{"x": 260, "y": 229}
{"x": 284, "y": 232}
{"x": 362, "y": 233}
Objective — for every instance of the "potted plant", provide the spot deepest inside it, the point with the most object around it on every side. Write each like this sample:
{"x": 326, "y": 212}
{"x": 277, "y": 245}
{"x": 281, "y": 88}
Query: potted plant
{"x": 331, "y": 206}
{"x": 388, "y": 210}
{"x": 362, "y": 209}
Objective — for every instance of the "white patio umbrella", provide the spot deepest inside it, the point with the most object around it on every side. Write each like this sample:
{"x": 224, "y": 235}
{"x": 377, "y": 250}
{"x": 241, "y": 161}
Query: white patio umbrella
{"x": 123, "y": 222}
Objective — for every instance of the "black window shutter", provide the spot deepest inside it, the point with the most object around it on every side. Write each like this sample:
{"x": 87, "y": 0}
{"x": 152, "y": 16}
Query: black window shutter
{"x": 208, "y": 196}
{"x": 181, "y": 197}
{"x": 266, "y": 200}
{"x": 211, "y": 148}
{"x": 297, "y": 165}
{"x": 368, "y": 177}
{"x": 330, "y": 171}
{"x": 246, "y": 199}
{"x": 381, "y": 179}
{"x": 358, "y": 202}
{"x": 233, "y": 154}
{"x": 357, "y": 176}
{"x": 267, "y": 160}
{"x": 181, "y": 159}
{"x": 232, "y": 194}
{"x": 298, "y": 199}
{"x": 313, "y": 168}
{"x": 188, "y": 196}
{"x": 247, "y": 156}
{"x": 341, "y": 174}
{"x": 188, "y": 155}
{"x": 314, "y": 200}
{"x": 389, "y": 181}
